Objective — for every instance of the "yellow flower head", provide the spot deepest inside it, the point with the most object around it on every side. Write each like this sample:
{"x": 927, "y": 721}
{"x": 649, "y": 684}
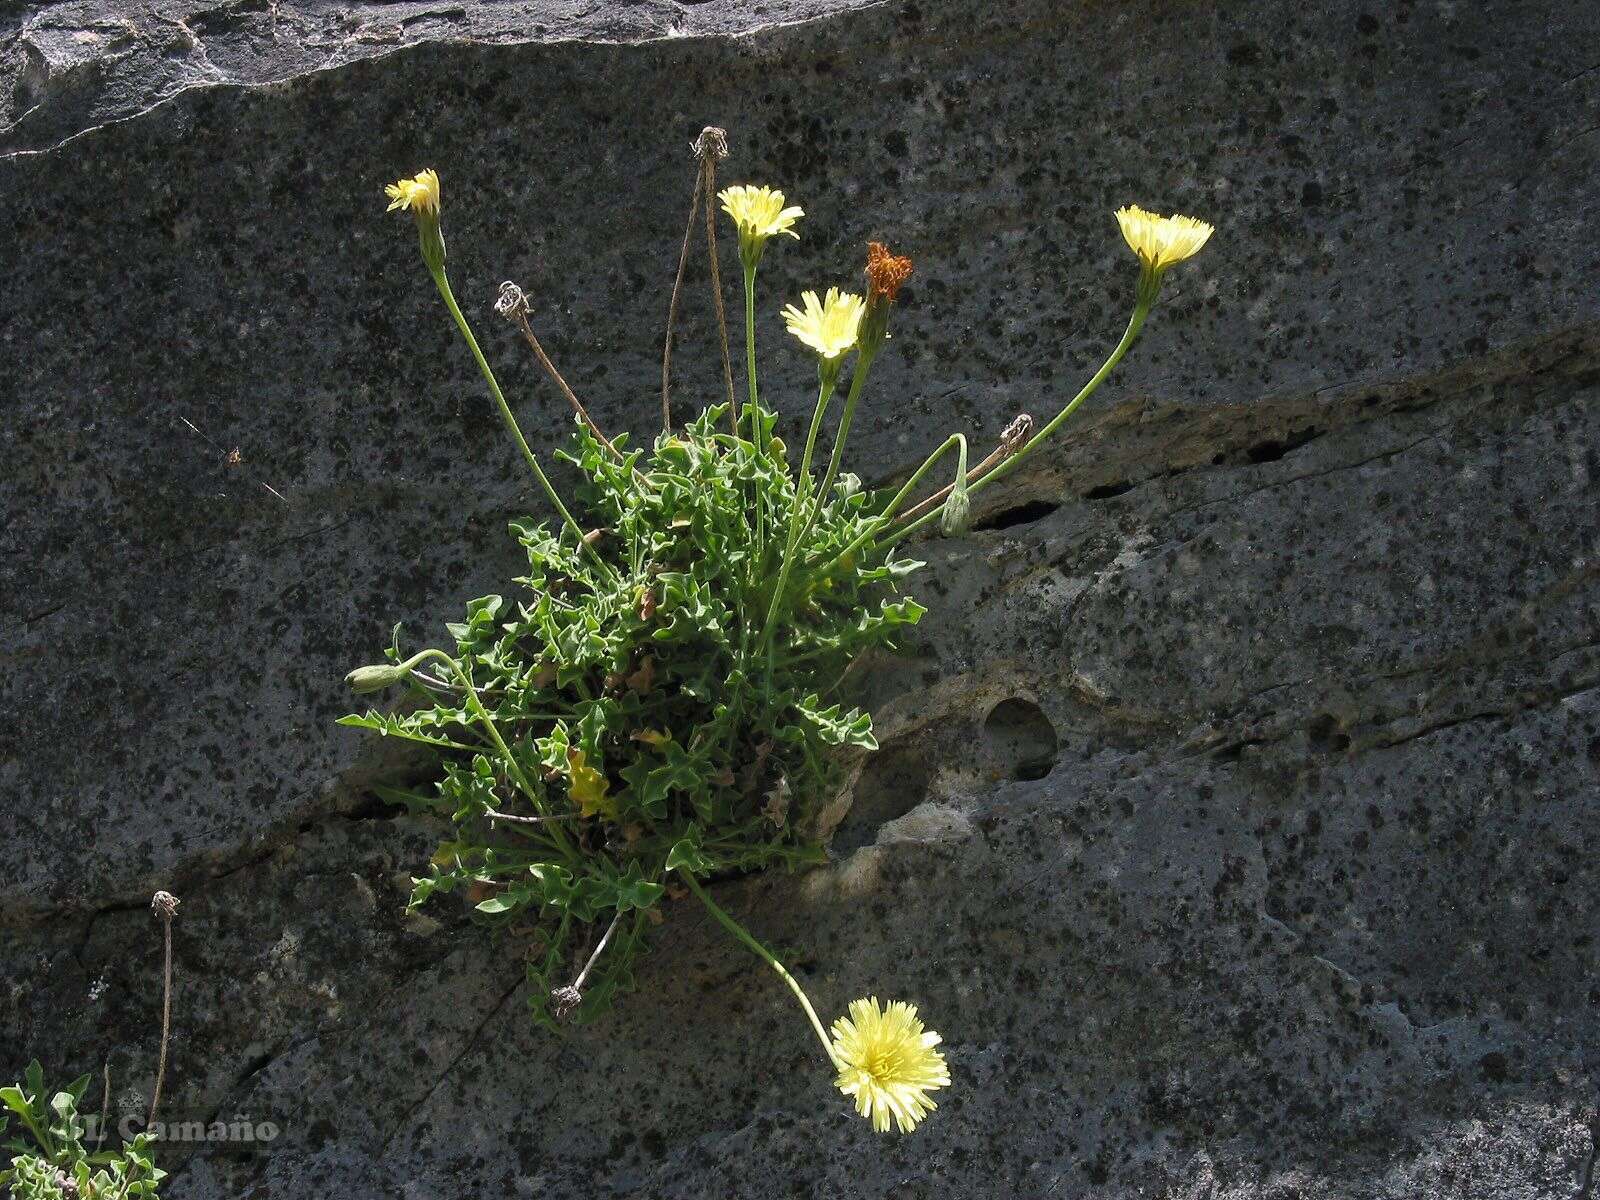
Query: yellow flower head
{"x": 419, "y": 195}
{"x": 1161, "y": 242}
{"x": 828, "y": 326}
{"x": 887, "y": 1061}
{"x": 759, "y": 213}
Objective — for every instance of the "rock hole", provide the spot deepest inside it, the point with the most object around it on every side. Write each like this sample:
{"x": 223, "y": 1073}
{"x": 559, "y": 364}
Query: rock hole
{"x": 1020, "y": 739}
{"x": 1325, "y": 735}
{"x": 1233, "y": 752}
{"x": 1107, "y": 490}
{"x": 893, "y": 782}
{"x": 1273, "y": 449}
{"x": 373, "y": 807}
{"x": 253, "y": 1067}
{"x": 1019, "y": 514}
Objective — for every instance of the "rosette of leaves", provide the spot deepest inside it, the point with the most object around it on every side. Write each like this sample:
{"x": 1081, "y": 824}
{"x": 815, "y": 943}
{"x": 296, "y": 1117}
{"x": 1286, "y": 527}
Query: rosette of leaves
{"x": 650, "y": 717}
{"x": 53, "y": 1163}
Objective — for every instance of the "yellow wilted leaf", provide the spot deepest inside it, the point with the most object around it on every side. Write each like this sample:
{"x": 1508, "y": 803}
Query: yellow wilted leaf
{"x": 588, "y": 787}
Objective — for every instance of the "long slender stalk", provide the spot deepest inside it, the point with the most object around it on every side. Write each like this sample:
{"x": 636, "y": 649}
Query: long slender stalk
{"x": 105, "y": 1104}
{"x": 521, "y": 318}
{"x": 858, "y": 380}
{"x": 577, "y": 984}
{"x": 672, "y": 306}
{"x": 759, "y": 516}
{"x": 802, "y": 493}
{"x": 716, "y": 295}
{"x": 750, "y": 350}
{"x": 165, "y": 905}
{"x": 883, "y": 518}
{"x": 1135, "y": 324}
{"x": 765, "y": 956}
{"x": 443, "y": 284}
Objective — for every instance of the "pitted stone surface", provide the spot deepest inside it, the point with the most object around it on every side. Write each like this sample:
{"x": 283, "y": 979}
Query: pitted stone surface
{"x": 1234, "y": 818}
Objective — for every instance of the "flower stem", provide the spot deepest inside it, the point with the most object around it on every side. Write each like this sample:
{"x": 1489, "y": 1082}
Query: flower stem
{"x": 750, "y": 350}
{"x": 764, "y": 955}
{"x": 166, "y": 1014}
{"x": 830, "y": 378}
{"x": 759, "y": 516}
{"x": 1129, "y": 336}
{"x": 443, "y": 284}
{"x": 858, "y": 379}
{"x": 893, "y": 507}
{"x": 672, "y": 307}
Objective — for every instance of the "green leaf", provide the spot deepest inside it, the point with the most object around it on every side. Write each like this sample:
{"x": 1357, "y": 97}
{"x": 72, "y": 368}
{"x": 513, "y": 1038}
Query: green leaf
{"x": 686, "y": 855}
{"x": 13, "y": 1098}
{"x": 852, "y": 728}
{"x": 389, "y": 725}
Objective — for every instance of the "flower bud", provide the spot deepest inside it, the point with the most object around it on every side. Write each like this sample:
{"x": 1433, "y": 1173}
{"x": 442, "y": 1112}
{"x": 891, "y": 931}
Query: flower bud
{"x": 375, "y": 678}
{"x": 955, "y": 518}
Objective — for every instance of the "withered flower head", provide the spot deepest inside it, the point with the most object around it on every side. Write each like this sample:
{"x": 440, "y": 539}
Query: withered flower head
{"x": 1016, "y": 433}
{"x": 712, "y": 142}
{"x": 885, "y": 272}
{"x": 513, "y": 302}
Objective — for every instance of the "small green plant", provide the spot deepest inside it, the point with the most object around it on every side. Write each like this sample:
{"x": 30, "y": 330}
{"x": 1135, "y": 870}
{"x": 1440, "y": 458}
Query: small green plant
{"x": 658, "y": 701}
{"x": 53, "y": 1163}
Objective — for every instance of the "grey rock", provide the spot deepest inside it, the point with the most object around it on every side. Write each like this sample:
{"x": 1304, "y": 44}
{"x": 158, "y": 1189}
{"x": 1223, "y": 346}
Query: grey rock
{"x": 1233, "y": 821}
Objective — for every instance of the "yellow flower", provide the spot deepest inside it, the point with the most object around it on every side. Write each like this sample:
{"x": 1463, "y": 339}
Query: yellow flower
{"x": 1161, "y": 242}
{"x": 887, "y": 1061}
{"x": 420, "y": 194}
{"x": 828, "y": 326}
{"x": 758, "y": 212}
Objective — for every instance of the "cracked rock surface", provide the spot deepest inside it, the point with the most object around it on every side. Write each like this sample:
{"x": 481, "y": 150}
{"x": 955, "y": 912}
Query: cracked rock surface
{"x": 1234, "y": 817}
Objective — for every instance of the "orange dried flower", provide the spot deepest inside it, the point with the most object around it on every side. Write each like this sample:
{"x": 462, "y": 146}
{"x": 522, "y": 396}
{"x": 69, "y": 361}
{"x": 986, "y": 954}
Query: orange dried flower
{"x": 885, "y": 272}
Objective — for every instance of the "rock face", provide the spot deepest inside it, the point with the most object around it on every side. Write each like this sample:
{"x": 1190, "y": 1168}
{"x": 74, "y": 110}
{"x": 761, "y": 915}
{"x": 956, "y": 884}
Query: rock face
{"x": 1235, "y": 814}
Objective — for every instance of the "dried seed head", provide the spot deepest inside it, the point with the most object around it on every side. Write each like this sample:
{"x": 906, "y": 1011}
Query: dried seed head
{"x": 1016, "y": 433}
{"x": 885, "y": 272}
{"x": 164, "y": 905}
{"x": 563, "y": 1001}
{"x": 513, "y": 303}
{"x": 712, "y": 142}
